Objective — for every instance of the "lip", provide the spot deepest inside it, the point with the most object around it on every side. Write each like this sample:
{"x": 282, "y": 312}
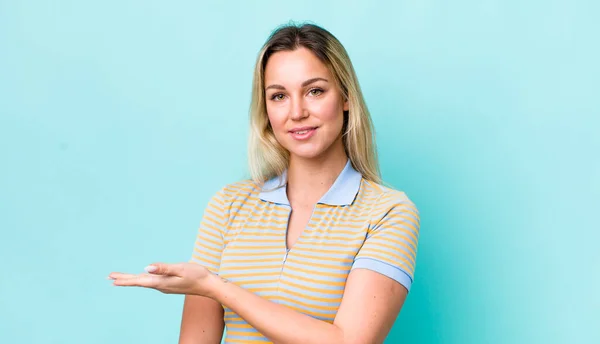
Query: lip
{"x": 310, "y": 131}
{"x": 301, "y": 129}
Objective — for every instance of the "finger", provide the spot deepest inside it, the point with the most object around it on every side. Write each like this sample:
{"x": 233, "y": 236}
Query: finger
{"x": 120, "y": 275}
{"x": 144, "y": 280}
{"x": 164, "y": 269}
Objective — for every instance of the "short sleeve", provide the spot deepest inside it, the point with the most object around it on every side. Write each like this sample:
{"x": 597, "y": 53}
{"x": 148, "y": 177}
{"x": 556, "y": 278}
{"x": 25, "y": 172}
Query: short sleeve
{"x": 391, "y": 244}
{"x": 210, "y": 239}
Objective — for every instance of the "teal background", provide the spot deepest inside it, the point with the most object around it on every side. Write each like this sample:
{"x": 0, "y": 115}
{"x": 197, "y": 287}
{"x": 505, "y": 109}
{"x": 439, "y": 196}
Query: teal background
{"x": 119, "y": 119}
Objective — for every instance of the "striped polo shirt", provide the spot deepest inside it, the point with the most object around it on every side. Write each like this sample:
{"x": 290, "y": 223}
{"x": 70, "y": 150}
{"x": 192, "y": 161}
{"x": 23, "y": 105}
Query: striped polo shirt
{"x": 356, "y": 224}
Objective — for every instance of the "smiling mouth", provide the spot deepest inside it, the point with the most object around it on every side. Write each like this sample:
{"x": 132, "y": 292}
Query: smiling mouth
{"x": 302, "y": 131}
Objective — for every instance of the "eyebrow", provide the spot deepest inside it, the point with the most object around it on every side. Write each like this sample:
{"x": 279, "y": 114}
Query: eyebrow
{"x": 306, "y": 83}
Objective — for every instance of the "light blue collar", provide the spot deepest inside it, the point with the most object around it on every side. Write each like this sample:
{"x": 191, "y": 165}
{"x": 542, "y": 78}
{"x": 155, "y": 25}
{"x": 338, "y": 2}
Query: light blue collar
{"x": 342, "y": 192}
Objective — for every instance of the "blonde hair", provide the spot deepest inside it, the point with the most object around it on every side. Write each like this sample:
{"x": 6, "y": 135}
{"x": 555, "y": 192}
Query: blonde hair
{"x": 267, "y": 158}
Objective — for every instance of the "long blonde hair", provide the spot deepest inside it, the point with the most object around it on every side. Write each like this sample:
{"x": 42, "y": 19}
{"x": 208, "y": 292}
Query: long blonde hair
{"x": 267, "y": 158}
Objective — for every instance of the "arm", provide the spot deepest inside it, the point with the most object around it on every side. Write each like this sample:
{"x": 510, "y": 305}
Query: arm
{"x": 370, "y": 305}
{"x": 373, "y": 296}
{"x": 202, "y": 321}
{"x": 202, "y": 318}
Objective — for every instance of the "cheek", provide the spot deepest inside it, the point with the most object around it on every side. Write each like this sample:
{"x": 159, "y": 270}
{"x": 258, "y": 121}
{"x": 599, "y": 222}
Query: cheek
{"x": 330, "y": 113}
{"x": 276, "y": 117}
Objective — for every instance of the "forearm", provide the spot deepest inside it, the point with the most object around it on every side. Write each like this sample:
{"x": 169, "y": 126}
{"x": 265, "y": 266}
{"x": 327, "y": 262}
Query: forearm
{"x": 278, "y": 323}
{"x": 202, "y": 321}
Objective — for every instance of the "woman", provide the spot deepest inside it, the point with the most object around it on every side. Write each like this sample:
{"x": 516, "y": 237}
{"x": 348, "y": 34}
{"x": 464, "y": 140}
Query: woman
{"x": 312, "y": 249}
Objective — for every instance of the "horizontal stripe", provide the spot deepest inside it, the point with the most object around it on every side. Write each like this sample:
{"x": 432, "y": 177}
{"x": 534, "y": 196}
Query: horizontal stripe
{"x": 318, "y": 265}
{"x": 301, "y": 279}
{"x": 243, "y": 238}
{"x": 321, "y": 290}
{"x": 244, "y": 340}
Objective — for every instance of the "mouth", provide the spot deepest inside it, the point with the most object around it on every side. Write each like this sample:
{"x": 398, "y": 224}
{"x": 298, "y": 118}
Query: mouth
{"x": 303, "y": 133}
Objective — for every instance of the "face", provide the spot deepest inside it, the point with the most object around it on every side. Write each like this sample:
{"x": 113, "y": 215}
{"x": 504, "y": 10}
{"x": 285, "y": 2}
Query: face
{"x": 304, "y": 105}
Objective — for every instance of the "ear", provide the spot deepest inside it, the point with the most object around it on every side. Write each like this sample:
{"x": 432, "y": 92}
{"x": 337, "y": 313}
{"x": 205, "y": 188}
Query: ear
{"x": 346, "y": 105}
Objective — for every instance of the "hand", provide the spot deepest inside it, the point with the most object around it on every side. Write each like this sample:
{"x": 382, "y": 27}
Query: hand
{"x": 182, "y": 278}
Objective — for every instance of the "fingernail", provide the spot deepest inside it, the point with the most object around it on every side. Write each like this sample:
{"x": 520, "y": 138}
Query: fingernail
{"x": 150, "y": 268}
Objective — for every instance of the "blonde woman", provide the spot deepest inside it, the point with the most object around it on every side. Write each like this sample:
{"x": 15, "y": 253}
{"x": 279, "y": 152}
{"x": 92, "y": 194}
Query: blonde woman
{"x": 312, "y": 249}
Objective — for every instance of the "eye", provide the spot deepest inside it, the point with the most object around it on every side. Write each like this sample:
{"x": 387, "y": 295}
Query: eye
{"x": 315, "y": 92}
{"x": 277, "y": 96}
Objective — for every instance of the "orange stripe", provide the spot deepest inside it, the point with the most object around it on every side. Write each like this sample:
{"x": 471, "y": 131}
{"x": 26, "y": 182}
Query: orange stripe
{"x": 208, "y": 225}
{"x": 202, "y": 240}
{"x": 311, "y": 280}
{"x": 229, "y": 275}
{"x": 240, "y": 187}
{"x": 395, "y": 248}
{"x": 215, "y": 215}
{"x": 319, "y": 273}
{"x": 239, "y": 326}
{"x": 308, "y": 249}
{"x": 229, "y": 340}
{"x": 243, "y": 260}
{"x": 207, "y": 253}
{"x": 361, "y": 221}
{"x": 243, "y": 254}
{"x": 218, "y": 199}
{"x": 241, "y": 238}
{"x": 334, "y": 230}
{"x": 334, "y": 259}
{"x": 352, "y": 246}
{"x": 313, "y": 298}
{"x": 304, "y": 304}
{"x": 266, "y": 281}
{"x": 207, "y": 262}
{"x": 263, "y": 289}
{"x": 393, "y": 231}
{"x": 339, "y": 213}
{"x": 256, "y": 248}
{"x": 383, "y": 214}
{"x": 265, "y": 227}
{"x": 345, "y": 225}
{"x": 204, "y": 231}
{"x": 244, "y": 334}
{"x": 316, "y": 290}
{"x": 320, "y": 265}
{"x": 278, "y": 222}
{"x": 373, "y": 253}
{"x": 256, "y": 267}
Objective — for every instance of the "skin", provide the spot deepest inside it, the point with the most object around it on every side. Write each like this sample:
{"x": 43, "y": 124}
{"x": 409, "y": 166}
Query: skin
{"x": 300, "y": 92}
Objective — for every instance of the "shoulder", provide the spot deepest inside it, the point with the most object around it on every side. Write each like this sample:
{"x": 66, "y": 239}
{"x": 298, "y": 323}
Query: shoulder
{"x": 385, "y": 196}
{"x": 237, "y": 191}
{"x": 387, "y": 200}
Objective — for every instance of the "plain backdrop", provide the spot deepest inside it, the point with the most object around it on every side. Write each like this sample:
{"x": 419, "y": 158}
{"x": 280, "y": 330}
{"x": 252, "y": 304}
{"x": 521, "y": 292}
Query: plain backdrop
{"x": 119, "y": 120}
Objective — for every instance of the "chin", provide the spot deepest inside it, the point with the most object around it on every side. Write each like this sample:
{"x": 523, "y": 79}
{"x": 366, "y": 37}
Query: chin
{"x": 310, "y": 153}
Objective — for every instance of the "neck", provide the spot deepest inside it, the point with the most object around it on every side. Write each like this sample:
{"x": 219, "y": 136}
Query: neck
{"x": 310, "y": 179}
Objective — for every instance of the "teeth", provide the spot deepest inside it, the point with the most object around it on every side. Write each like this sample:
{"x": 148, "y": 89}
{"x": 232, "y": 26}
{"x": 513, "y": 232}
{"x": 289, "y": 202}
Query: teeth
{"x": 302, "y": 132}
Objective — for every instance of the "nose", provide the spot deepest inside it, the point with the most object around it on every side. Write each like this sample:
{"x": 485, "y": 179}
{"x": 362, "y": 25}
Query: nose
{"x": 298, "y": 110}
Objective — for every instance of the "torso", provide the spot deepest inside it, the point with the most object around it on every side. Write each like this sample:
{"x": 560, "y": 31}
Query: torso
{"x": 299, "y": 218}
{"x": 299, "y": 258}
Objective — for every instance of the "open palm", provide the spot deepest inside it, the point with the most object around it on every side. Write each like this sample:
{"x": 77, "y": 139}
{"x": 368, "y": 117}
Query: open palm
{"x": 180, "y": 278}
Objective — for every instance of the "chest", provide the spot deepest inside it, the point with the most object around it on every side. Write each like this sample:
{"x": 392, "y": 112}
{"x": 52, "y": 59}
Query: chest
{"x": 299, "y": 219}
{"x": 310, "y": 269}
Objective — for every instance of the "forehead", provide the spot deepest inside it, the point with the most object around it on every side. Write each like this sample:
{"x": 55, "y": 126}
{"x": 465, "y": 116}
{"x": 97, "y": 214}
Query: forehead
{"x": 290, "y": 67}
